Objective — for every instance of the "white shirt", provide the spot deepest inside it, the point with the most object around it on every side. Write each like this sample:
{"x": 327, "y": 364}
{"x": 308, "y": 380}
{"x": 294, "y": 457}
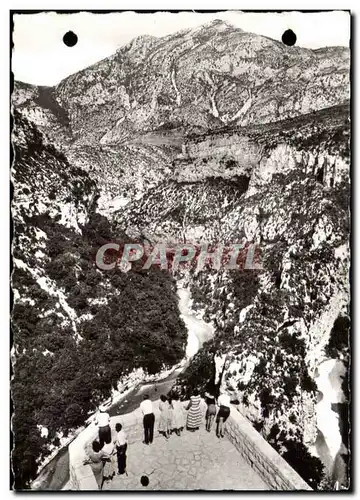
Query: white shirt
{"x": 146, "y": 406}
{"x": 121, "y": 438}
{"x": 103, "y": 419}
{"x": 108, "y": 448}
{"x": 224, "y": 400}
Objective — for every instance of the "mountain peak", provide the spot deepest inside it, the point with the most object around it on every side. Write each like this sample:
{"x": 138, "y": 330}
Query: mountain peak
{"x": 220, "y": 24}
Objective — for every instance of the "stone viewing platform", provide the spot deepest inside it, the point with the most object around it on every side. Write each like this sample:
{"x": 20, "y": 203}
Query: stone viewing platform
{"x": 242, "y": 460}
{"x": 193, "y": 461}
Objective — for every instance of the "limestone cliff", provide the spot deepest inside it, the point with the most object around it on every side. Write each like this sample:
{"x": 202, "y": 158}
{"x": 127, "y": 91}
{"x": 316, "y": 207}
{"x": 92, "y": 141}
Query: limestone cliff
{"x": 209, "y": 134}
{"x": 287, "y": 190}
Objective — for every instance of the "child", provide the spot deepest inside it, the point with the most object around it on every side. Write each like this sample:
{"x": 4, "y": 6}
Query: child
{"x": 121, "y": 447}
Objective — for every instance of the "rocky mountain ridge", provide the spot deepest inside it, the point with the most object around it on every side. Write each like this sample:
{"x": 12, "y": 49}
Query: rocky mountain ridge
{"x": 209, "y": 134}
{"x": 195, "y": 80}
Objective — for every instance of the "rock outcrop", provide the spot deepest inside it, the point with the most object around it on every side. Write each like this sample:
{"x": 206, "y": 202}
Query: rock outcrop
{"x": 209, "y": 134}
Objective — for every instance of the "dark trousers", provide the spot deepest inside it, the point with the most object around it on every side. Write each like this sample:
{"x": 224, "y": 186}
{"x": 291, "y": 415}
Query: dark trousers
{"x": 121, "y": 458}
{"x": 149, "y": 421}
{"x": 104, "y": 435}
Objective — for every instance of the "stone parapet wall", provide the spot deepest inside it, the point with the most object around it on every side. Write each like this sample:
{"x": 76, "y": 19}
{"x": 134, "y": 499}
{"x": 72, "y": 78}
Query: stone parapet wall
{"x": 82, "y": 477}
{"x": 273, "y": 469}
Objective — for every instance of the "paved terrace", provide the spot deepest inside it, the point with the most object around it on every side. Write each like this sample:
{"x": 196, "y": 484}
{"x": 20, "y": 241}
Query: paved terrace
{"x": 242, "y": 460}
{"x": 195, "y": 460}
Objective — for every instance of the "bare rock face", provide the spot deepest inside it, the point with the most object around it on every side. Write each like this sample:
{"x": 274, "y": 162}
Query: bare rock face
{"x": 210, "y": 135}
{"x": 214, "y": 74}
{"x": 194, "y": 80}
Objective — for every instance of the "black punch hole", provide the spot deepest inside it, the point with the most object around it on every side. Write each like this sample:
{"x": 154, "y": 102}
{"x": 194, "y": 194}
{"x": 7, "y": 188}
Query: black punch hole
{"x": 289, "y": 38}
{"x": 70, "y": 39}
{"x": 144, "y": 481}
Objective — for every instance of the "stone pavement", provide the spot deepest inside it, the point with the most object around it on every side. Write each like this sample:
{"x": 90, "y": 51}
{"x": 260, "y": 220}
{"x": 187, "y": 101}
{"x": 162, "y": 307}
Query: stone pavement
{"x": 192, "y": 461}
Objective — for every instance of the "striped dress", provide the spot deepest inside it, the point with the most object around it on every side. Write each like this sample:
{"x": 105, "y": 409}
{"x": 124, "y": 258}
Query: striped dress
{"x": 194, "y": 417}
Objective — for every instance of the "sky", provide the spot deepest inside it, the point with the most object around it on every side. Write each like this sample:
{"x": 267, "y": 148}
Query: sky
{"x": 40, "y": 56}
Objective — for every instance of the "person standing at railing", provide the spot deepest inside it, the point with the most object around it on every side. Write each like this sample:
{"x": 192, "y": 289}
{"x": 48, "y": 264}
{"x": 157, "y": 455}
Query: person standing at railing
{"x": 210, "y": 411}
{"x": 223, "y": 414}
{"x": 109, "y": 460}
{"x": 178, "y": 415}
{"x": 194, "y": 416}
{"x": 103, "y": 421}
{"x": 149, "y": 419}
{"x": 164, "y": 420}
{"x": 95, "y": 458}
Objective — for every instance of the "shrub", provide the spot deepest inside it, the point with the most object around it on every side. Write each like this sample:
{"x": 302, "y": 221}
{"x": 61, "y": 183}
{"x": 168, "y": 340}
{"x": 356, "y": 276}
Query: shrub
{"x": 306, "y": 465}
{"x": 74, "y": 415}
{"x": 339, "y": 337}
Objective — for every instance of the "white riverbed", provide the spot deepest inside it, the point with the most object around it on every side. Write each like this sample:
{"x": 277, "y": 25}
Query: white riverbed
{"x": 198, "y": 331}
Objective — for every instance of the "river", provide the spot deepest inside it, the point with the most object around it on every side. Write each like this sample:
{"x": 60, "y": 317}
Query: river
{"x": 198, "y": 331}
{"x": 55, "y": 475}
